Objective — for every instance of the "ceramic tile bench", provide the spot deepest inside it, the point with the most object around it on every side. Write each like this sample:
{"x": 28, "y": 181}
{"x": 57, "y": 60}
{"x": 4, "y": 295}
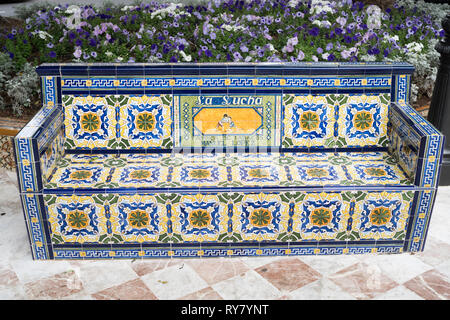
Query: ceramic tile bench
{"x": 207, "y": 160}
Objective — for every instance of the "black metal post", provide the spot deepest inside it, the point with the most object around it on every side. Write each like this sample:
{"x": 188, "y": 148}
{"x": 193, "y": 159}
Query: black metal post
{"x": 439, "y": 114}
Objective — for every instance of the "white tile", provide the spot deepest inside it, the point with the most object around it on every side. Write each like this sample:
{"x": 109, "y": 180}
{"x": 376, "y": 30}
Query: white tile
{"x": 256, "y": 262}
{"x": 15, "y": 292}
{"x": 28, "y": 270}
{"x": 444, "y": 268}
{"x": 326, "y": 265}
{"x": 174, "y": 282}
{"x": 249, "y": 285}
{"x": 440, "y": 224}
{"x": 322, "y": 289}
{"x": 399, "y": 267}
{"x": 100, "y": 275}
{"x": 398, "y": 293}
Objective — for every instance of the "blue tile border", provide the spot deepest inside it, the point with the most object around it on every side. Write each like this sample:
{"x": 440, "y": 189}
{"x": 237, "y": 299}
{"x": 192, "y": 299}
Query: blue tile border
{"x": 284, "y": 68}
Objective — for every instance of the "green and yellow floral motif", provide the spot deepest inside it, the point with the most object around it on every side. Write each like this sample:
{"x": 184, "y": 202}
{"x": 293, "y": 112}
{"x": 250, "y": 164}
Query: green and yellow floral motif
{"x": 199, "y": 173}
{"x": 145, "y": 121}
{"x": 81, "y": 175}
{"x": 375, "y": 172}
{"x": 363, "y": 120}
{"x": 138, "y": 218}
{"x": 309, "y": 121}
{"x": 317, "y": 172}
{"x": 77, "y": 219}
{"x": 380, "y": 216}
{"x": 260, "y": 217}
{"x": 90, "y": 122}
{"x": 140, "y": 174}
{"x": 199, "y": 218}
{"x": 321, "y": 216}
{"x": 258, "y": 173}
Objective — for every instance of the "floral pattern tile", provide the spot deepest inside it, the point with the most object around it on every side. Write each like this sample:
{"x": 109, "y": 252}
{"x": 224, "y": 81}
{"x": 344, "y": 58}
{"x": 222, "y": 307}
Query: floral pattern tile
{"x": 226, "y": 170}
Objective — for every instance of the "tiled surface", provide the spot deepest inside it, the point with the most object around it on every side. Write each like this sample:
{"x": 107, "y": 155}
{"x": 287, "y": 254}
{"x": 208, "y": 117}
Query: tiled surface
{"x": 225, "y": 170}
{"x": 424, "y": 275}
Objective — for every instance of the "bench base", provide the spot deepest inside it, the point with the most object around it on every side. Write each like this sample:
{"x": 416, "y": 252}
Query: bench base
{"x": 158, "y": 225}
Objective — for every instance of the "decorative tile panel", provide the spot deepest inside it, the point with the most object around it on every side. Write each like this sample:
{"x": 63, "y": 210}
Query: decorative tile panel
{"x": 363, "y": 120}
{"x": 219, "y": 121}
{"x": 227, "y": 170}
{"x": 144, "y": 121}
{"x": 90, "y": 122}
{"x": 118, "y": 122}
{"x": 308, "y": 120}
{"x": 383, "y": 216}
{"x": 230, "y": 217}
{"x": 335, "y": 121}
{"x": 76, "y": 219}
{"x": 137, "y": 218}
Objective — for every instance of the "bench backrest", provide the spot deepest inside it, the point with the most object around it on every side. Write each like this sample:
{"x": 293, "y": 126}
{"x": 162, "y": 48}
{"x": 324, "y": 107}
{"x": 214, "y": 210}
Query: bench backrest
{"x": 278, "y": 106}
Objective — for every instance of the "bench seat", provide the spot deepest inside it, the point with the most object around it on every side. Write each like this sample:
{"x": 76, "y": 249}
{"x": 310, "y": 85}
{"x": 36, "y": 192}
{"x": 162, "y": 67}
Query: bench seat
{"x": 174, "y": 172}
{"x": 218, "y": 160}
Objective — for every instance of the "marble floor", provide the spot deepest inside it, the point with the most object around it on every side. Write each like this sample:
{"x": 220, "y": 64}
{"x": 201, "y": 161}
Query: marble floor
{"x": 425, "y": 275}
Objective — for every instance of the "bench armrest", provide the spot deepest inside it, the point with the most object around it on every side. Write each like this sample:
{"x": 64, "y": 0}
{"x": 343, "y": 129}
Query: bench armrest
{"x": 37, "y": 147}
{"x": 416, "y": 143}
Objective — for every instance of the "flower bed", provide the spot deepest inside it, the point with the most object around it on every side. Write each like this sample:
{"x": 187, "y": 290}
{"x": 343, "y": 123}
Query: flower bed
{"x": 221, "y": 31}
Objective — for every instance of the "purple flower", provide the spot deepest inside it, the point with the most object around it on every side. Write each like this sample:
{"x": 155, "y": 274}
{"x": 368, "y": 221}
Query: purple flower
{"x": 52, "y": 54}
{"x": 314, "y": 31}
{"x": 331, "y": 57}
{"x": 373, "y": 51}
{"x": 319, "y": 50}
{"x": 77, "y": 53}
{"x": 94, "y": 54}
{"x": 329, "y": 46}
{"x": 237, "y": 56}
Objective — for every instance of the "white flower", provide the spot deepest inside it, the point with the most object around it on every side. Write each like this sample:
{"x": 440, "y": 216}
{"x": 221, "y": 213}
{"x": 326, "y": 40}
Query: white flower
{"x": 232, "y": 28}
{"x": 293, "y": 3}
{"x": 74, "y": 20}
{"x": 320, "y": 6}
{"x": 172, "y": 8}
{"x": 108, "y": 53}
{"x": 126, "y": 8}
{"x": 42, "y": 34}
{"x": 186, "y": 58}
{"x": 73, "y": 9}
{"x": 373, "y": 17}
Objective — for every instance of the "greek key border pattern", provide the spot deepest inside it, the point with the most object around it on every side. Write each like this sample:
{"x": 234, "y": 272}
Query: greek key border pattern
{"x": 421, "y": 218}
{"x": 402, "y": 88}
{"x": 31, "y": 205}
{"x": 226, "y": 82}
{"x": 26, "y": 164}
{"x": 122, "y": 253}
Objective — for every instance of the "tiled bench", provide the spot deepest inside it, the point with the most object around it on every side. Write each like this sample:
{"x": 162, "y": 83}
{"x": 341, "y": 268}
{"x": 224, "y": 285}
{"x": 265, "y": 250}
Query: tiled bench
{"x": 201, "y": 160}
